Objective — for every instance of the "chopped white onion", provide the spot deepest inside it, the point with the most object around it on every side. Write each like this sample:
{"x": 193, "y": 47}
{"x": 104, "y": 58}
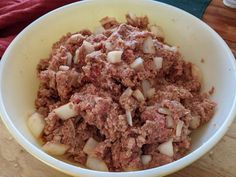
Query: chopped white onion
{"x": 194, "y": 122}
{"x": 167, "y": 148}
{"x": 166, "y": 47}
{"x": 164, "y": 111}
{"x": 36, "y": 124}
{"x": 170, "y": 48}
{"x": 196, "y": 73}
{"x": 66, "y": 111}
{"x": 174, "y": 49}
{"x": 75, "y": 58}
{"x": 89, "y": 48}
{"x": 157, "y": 30}
{"x": 76, "y": 37}
{"x": 108, "y": 46}
{"x": 145, "y": 86}
{"x": 137, "y": 64}
{"x": 148, "y": 46}
{"x": 169, "y": 122}
{"x": 64, "y": 68}
{"x": 69, "y": 58}
{"x": 90, "y": 146}
{"x": 99, "y": 30}
{"x": 138, "y": 95}
{"x": 129, "y": 118}
{"x": 96, "y": 164}
{"x": 54, "y": 148}
{"x": 127, "y": 93}
{"x": 150, "y": 93}
{"x": 179, "y": 127}
{"x": 114, "y": 56}
{"x": 145, "y": 159}
{"x": 158, "y": 62}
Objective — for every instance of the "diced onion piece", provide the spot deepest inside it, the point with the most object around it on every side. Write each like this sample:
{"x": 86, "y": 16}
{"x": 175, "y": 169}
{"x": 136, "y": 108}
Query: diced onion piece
{"x": 157, "y": 30}
{"x": 127, "y": 93}
{"x": 64, "y": 68}
{"x": 108, "y": 46}
{"x": 166, "y": 47}
{"x": 167, "y": 148}
{"x": 179, "y": 127}
{"x": 194, "y": 122}
{"x": 36, "y": 124}
{"x": 164, "y": 111}
{"x": 138, "y": 95}
{"x": 158, "y": 62}
{"x": 145, "y": 159}
{"x": 173, "y": 49}
{"x": 99, "y": 30}
{"x": 75, "y": 58}
{"x": 150, "y": 93}
{"x": 148, "y": 46}
{"x": 170, "y": 48}
{"x": 76, "y": 37}
{"x": 96, "y": 164}
{"x": 145, "y": 86}
{"x": 169, "y": 122}
{"x": 114, "y": 56}
{"x": 54, "y": 148}
{"x": 196, "y": 73}
{"x": 66, "y": 111}
{"x": 69, "y": 58}
{"x": 89, "y": 48}
{"x": 137, "y": 64}
{"x": 129, "y": 118}
{"x": 90, "y": 146}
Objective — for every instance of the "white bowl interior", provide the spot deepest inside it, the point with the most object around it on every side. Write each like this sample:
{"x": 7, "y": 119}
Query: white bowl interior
{"x": 196, "y": 41}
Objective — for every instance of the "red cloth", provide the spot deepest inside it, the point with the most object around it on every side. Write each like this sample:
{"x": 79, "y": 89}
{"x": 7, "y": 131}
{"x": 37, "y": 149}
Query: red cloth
{"x": 15, "y": 15}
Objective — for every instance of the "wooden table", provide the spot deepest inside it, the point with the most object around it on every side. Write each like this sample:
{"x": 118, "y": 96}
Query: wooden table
{"x": 223, "y": 20}
{"x": 219, "y": 162}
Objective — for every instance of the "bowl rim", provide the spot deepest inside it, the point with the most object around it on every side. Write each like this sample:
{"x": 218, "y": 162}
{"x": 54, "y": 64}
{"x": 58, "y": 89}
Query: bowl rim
{"x": 76, "y": 170}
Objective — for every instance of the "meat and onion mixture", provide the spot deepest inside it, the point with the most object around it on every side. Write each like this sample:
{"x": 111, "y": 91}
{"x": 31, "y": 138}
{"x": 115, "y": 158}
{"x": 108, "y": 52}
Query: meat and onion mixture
{"x": 119, "y": 98}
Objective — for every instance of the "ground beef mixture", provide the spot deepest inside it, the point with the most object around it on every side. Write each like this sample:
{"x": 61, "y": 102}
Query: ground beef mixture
{"x": 120, "y": 96}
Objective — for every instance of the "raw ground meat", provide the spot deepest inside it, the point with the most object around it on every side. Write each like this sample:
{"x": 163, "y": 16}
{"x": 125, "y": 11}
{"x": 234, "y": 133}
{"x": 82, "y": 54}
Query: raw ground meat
{"x": 78, "y": 71}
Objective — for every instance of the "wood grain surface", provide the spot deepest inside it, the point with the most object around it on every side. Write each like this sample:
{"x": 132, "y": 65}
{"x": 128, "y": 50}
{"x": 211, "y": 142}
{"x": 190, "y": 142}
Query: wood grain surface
{"x": 223, "y": 20}
{"x": 219, "y": 162}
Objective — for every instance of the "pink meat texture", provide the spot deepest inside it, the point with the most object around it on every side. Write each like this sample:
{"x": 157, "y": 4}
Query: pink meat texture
{"x": 78, "y": 71}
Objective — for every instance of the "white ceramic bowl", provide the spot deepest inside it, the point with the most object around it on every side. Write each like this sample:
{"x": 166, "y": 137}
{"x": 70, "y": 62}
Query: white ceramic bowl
{"x": 18, "y": 82}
